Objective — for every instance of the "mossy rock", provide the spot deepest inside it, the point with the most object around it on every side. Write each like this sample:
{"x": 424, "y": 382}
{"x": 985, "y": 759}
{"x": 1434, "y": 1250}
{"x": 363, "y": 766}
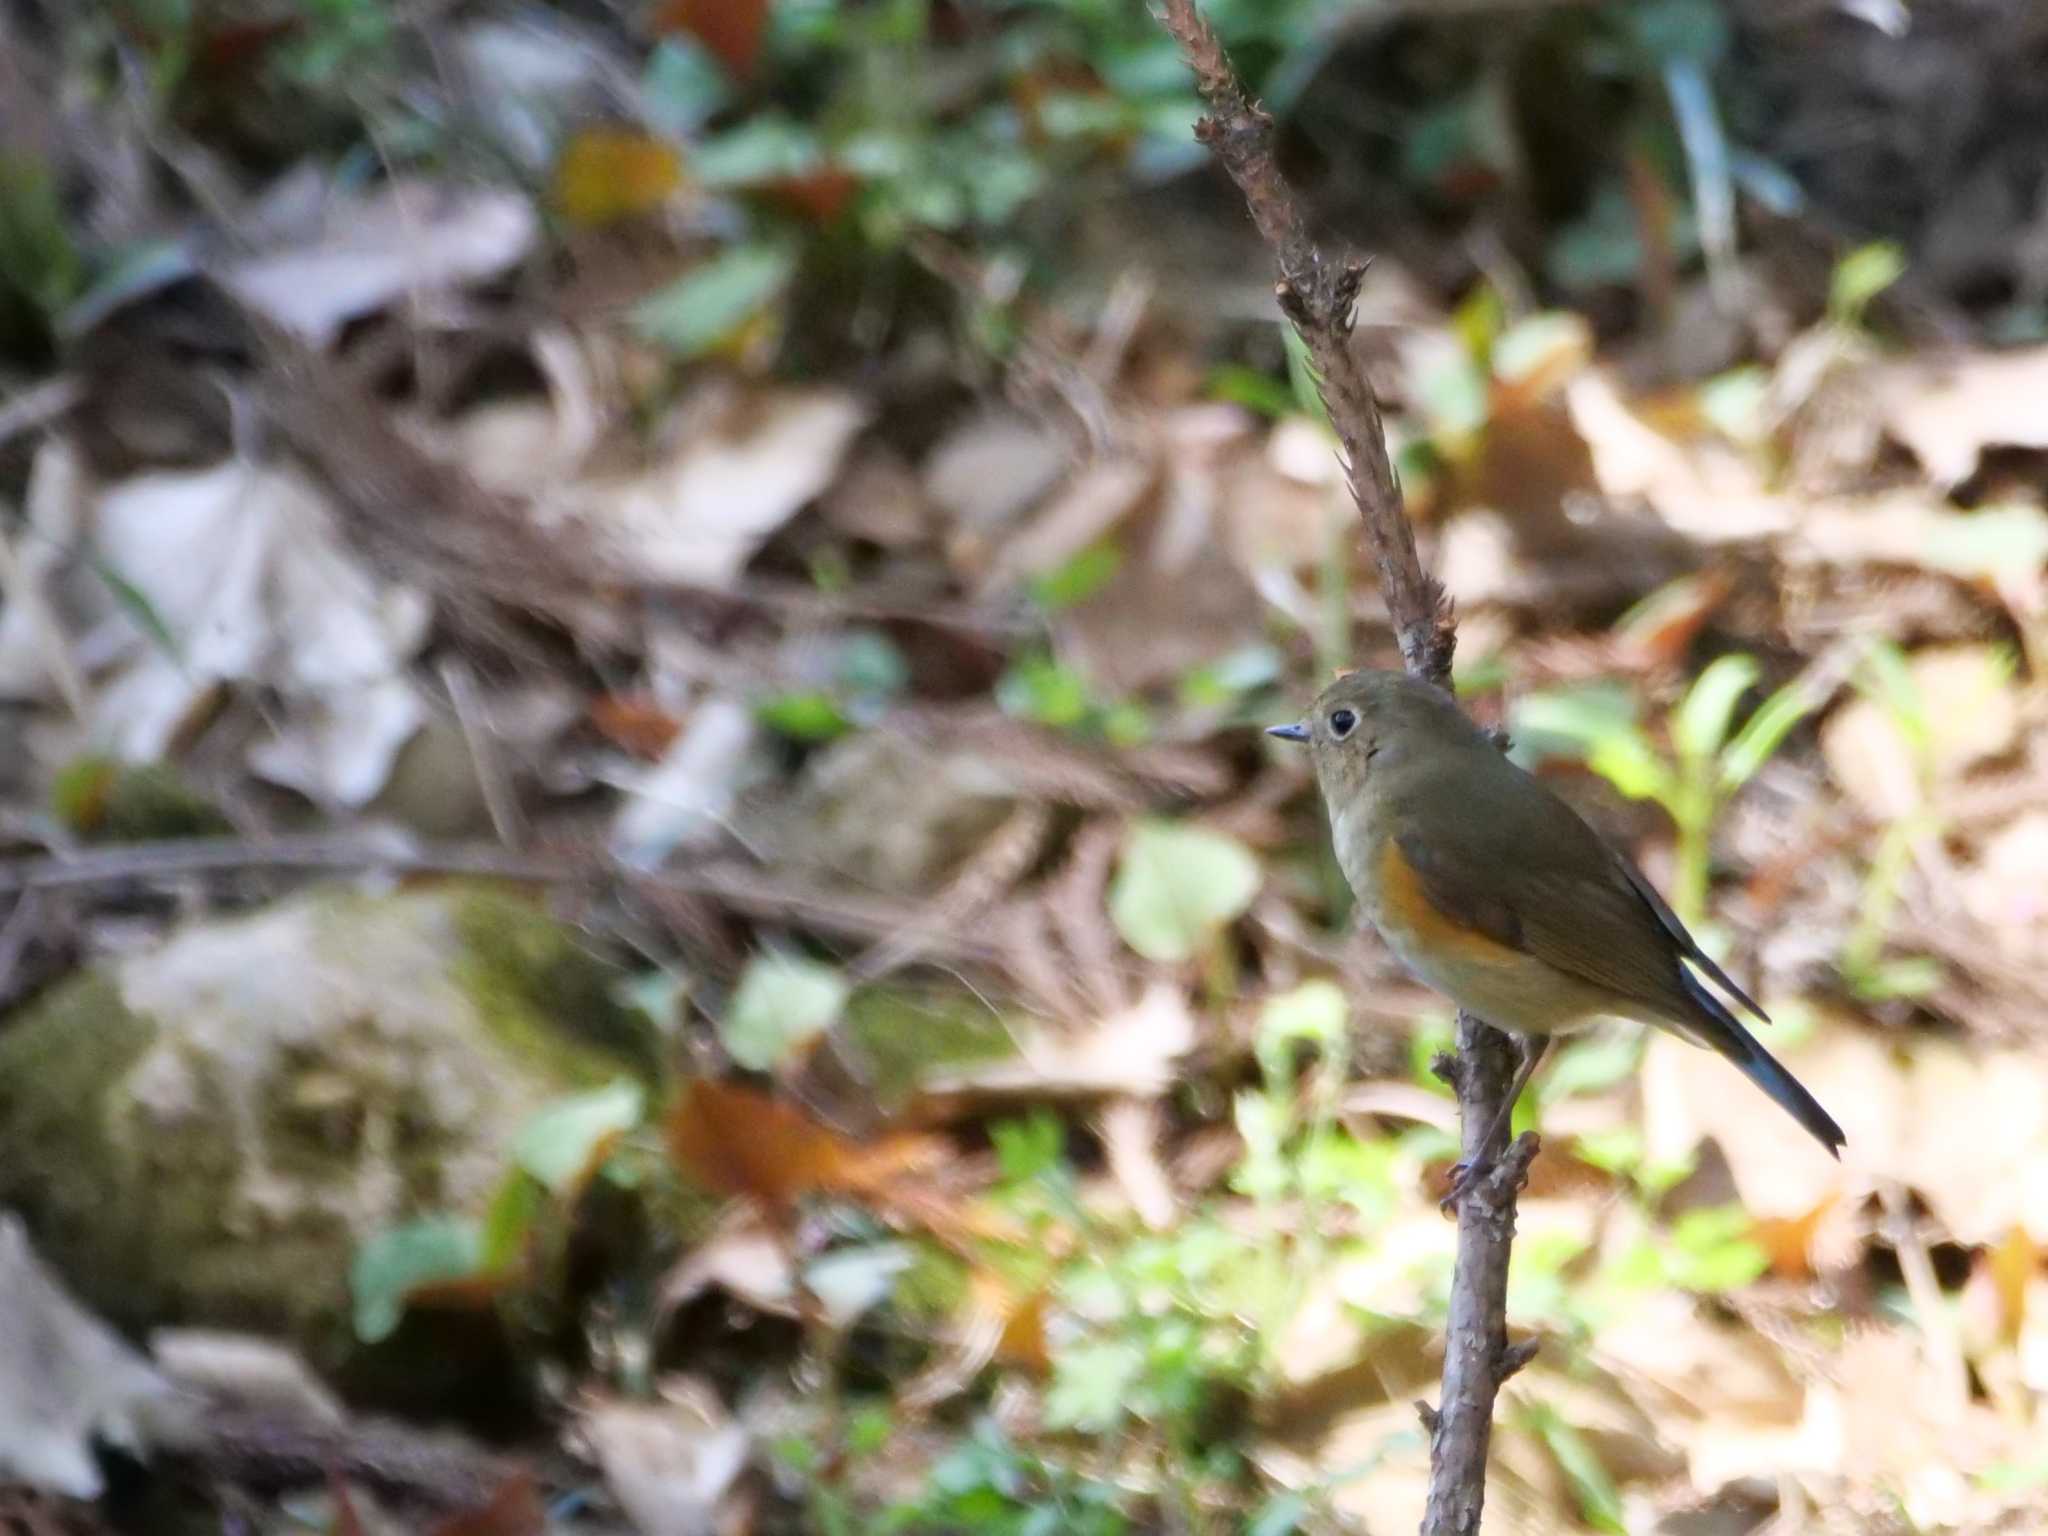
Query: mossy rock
{"x": 204, "y": 1133}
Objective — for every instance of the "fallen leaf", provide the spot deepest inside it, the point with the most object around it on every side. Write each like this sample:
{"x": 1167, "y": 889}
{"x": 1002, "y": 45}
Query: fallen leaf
{"x": 736, "y": 1141}
{"x": 240, "y": 576}
{"x": 248, "y": 1373}
{"x": 740, "y": 469}
{"x": 1948, "y": 411}
{"x": 670, "y": 1464}
{"x": 683, "y": 800}
{"x": 747, "y": 1258}
{"x": 986, "y": 472}
{"x": 1135, "y": 1051}
{"x": 66, "y": 1379}
{"x": 731, "y": 30}
{"x": 1969, "y": 687}
{"x": 634, "y": 723}
{"x": 405, "y": 240}
{"x": 515, "y": 1509}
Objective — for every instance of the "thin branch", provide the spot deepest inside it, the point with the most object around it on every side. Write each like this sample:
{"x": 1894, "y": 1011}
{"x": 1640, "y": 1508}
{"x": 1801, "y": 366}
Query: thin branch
{"x": 1316, "y": 292}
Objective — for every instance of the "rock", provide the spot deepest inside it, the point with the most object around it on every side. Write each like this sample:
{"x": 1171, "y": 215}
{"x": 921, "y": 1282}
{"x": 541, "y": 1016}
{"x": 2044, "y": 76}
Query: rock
{"x": 202, "y": 1134}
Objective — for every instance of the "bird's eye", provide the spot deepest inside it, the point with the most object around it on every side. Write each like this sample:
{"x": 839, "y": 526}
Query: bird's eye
{"x": 1341, "y": 722}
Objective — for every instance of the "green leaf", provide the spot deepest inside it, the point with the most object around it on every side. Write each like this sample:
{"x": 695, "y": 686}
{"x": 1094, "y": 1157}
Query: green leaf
{"x": 1628, "y": 762}
{"x": 1039, "y": 688}
{"x": 1587, "y": 1066}
{"x": 558, "y": 1145}
{"x": 783, "y": 1002}
{"x": 1700, "y": 724}
{"x": 1861, "y": 276}
{"x": 1763, "y": 733}
{"x": 394, "y": 1264}
{"x": 1570, "y": 720}
{"x": 808, "y": 715}
{"x": 1599, "y": 1500}
{"x": 1315, "y": 1013}
{"x": 1029, "y": 1147}
{"x": 1176, "y": 885}
{"x": 1734, "y": 403}
{"x": 697, "y": 312}
{"x": 1079, "y": 579}
{"x": 136, "y": 604}
{"x": 1712, "y": 1251}
{"x": 1093, "y": 1383}
{"x": 517, "y": 1206}
{"x": 766, "y": 147}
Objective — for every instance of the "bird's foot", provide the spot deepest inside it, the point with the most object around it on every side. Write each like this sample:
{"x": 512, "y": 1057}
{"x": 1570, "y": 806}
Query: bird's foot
{"x": 1508, "y": 1170}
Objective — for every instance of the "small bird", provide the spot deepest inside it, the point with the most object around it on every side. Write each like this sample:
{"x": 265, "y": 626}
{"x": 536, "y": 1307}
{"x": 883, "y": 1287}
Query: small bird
{"x": 1496, "y": 893}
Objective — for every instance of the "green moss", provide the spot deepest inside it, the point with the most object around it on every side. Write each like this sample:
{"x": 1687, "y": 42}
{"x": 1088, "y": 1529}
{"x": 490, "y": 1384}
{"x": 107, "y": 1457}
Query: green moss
{"x": 901, "y": 1037}
{"x": 548, "y": 999}
{"x": 106, "y": 801}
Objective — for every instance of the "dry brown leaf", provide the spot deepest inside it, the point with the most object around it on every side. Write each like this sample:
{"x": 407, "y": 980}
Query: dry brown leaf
{"x": 66, "y": 1379}
{"x": 405, "y": 240}
{"x": 742, "y": 464}
{"x": 634, "y": 723}
{"x": 732, "y": 30}
{"x": 672, "y": 1465}
{"x": 1133, "y": 1052}
{"x": 986, "y": 472}
{"x": 736, "y": 1141}
{"x": 747, "y": 1258}
{"x": 1948, "y": 411}
{"x": 1969, "y": 688}
{"x": 514, "y": 1510}
{"x": 1691, "y": 1095}
{"x": 1018, "y": 1316}
{"x": 1083, "y": 512}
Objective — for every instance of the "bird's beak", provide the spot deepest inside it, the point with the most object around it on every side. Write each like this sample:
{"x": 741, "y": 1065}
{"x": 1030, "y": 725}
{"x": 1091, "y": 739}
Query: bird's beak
{"x": 1295, "y": 732}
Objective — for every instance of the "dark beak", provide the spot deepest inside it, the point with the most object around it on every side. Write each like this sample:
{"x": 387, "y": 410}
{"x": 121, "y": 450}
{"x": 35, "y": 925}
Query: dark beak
{"x": 1296, "y": 732}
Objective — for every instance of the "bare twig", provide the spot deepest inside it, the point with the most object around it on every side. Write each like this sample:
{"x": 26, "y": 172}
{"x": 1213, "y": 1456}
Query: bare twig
{"x": 1316, "y": 293}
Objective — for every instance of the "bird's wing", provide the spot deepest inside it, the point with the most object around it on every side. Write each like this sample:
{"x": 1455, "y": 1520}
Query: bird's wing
{"x": 1593, "y": 926}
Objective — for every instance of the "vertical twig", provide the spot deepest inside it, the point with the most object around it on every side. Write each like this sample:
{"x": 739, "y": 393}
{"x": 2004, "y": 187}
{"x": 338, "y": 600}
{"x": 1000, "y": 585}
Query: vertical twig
{"x": 1316, "y": 293}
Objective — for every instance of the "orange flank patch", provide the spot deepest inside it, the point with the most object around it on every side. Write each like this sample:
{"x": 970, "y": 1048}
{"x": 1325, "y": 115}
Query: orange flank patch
{"x": 1407, "y": 902}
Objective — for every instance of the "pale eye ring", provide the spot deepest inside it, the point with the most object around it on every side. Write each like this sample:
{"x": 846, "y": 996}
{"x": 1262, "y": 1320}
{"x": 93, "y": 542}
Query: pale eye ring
{"x": 1341, "y": 723}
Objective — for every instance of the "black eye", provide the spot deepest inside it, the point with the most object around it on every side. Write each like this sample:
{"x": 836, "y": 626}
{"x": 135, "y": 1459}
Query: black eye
{"x": 1341, "y": 722}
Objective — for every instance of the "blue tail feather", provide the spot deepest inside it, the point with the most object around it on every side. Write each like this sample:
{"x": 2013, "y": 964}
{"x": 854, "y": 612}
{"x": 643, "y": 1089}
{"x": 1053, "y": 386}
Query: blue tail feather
{"x": 1714, "y": 1025}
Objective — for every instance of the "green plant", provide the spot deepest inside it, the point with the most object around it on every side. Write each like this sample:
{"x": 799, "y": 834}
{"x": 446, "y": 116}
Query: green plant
{"x": 1886, "y": 681}
{"x": 1707, "y": 763}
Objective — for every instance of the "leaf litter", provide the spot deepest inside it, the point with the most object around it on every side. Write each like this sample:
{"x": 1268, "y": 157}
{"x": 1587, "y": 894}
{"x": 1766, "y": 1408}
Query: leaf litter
{"x": 1056, "y": 810}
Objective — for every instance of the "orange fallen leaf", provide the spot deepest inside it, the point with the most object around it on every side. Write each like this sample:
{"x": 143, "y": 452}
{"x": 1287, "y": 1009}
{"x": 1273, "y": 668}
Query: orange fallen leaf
{"x": 1022, "y": 1340}
{"x": 514, "y": 1510}
{"x": 634, "y": 723}
{"x": 1789, "y": 1241}
{"x": 736, "y": 1141}
{"x": 605, "y": 175}
{"x": 819, "y": 196}
{"x": 731, "y": 30}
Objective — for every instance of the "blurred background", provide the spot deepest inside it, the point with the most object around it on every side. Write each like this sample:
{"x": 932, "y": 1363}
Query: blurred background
{"x": 632, "y": 823}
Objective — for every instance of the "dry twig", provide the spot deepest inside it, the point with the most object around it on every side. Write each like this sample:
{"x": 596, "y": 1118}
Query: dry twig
{"x": 1316, "y": 293}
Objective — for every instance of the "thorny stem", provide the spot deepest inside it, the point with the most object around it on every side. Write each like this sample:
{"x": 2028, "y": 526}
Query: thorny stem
{"x": 1316, "y": 292}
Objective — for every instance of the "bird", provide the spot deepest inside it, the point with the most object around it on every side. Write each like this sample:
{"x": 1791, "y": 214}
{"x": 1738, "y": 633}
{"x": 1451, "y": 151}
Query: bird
{"x": 1493, "y": 891}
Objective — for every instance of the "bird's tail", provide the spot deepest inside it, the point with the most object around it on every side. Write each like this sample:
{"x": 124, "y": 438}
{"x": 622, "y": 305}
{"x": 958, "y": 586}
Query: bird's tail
{"x": 1715, "y": 1026}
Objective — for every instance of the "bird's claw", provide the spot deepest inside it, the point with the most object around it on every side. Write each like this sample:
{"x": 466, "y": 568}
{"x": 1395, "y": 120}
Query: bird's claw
{"x": 1465, "y": 1177}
